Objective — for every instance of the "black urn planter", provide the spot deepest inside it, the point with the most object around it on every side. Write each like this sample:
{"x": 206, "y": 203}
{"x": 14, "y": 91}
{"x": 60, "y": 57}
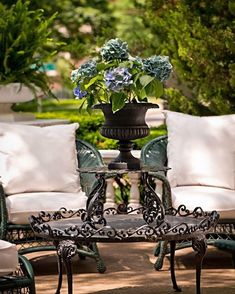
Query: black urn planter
{"x": 125, "y": 125}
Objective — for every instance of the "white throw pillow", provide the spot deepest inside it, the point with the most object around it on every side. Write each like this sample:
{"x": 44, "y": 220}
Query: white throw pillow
{"x": 36, "y": 159}
{"x": 201, "y": 150}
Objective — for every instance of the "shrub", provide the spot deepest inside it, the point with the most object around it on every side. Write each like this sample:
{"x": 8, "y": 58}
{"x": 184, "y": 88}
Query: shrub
{"x": 25, "y": 44}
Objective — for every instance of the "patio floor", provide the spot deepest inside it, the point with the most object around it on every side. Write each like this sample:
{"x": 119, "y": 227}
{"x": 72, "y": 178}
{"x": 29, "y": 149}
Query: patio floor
{"x": 130, "y": 270}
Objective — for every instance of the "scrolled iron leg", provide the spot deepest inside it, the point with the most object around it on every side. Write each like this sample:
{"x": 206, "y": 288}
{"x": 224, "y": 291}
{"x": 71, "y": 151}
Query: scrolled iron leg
{"x": 156, "y": 250}
{"x": 199, "y": 245}
{"x": 172, "y": 266}
{"x": 66, "y": 250}
{"x": 161, "y": 255}
{"x": 101, "y": 268}
{"x": 59, "y": 262}
{"x": 153, "y": 211}
{"x": 59, "y": 265}
{"x": 233, "y": 258}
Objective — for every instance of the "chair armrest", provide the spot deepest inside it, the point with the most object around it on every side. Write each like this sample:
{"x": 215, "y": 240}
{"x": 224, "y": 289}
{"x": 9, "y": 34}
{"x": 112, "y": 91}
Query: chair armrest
{"x": 26, "y": 267}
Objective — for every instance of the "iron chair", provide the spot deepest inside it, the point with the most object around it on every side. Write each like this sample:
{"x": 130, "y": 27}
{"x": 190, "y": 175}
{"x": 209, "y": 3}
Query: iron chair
{"x": 23, "y": 235}
{"x": 155, "y": 153}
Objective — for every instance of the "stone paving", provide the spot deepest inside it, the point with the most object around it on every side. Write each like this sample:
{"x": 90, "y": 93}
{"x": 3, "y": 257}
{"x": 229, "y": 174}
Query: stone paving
{"x": 130, "y": 271}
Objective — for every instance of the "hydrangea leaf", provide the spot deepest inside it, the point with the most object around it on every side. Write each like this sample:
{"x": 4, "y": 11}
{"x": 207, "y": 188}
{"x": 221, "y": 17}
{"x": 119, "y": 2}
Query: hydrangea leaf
{"x": 154, "y": 89}
{"x": 141, "y": 94}
{"x": 102, "y": 66}
{"x": 90, "y": 100}
{"x": 92, "y": 81}
{"x": 118, "y": 101}
{"x": 145, "y": 80}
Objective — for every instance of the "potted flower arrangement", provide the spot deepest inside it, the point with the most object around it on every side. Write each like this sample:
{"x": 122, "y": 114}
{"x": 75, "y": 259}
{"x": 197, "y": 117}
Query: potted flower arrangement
{"x": 120, "y": 85}
{"x": 24, "y": 46}
{"x": 117, "y": 78}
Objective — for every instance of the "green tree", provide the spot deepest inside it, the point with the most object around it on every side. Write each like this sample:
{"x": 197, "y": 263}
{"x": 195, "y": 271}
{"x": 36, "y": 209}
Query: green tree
{"x": 199, "y": 38}
{"x": 80, "y": 24}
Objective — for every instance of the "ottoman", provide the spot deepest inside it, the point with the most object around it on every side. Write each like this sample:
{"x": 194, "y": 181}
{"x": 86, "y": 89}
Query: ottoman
{"x": 16, "y": 273}
{"x": 9, "y": 258}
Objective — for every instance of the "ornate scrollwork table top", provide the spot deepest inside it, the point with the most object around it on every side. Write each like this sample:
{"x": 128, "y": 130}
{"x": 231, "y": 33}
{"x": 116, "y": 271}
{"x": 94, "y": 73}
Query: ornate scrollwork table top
{"x": 151, "y": 222}
{"x": 130, "y": 227}
{"x": 106, "y": 170}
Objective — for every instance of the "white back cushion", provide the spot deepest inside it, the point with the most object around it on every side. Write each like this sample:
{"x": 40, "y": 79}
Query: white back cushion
{"x": 38, "y": 158}
{"x": 201, "y": 150}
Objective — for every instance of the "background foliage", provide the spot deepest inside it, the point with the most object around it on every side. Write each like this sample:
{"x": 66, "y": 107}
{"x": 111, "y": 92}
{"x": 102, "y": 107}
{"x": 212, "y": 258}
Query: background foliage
{"x": 199, "y": 38}
{"x": 81, "y": 24}
{"x": 197, "y": 35}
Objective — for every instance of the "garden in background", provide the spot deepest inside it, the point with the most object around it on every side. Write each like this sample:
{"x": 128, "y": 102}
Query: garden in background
{"x": 89, "y": 124}
{"x": 198, "y": 36}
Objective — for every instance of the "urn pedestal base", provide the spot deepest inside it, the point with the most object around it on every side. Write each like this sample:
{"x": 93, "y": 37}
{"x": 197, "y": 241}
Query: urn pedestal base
{"x": 125, "y": 160}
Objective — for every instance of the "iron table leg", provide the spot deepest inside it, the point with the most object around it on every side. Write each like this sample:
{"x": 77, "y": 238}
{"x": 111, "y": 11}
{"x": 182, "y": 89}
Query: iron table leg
{"x": 199, "y": 245}
{"x": 99, "y": 261}
{"x": 66, "y": 250}
{"x": 162, "y": 251}
{"x": 172, "y": 267}
{"x": 59, "y": 265}
{"x": 59, "y": 262}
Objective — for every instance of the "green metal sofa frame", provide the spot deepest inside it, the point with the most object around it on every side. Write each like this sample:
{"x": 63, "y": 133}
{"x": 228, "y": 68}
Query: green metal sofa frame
{"x": 23, "y": 235}
{"x": 155, "y": 153}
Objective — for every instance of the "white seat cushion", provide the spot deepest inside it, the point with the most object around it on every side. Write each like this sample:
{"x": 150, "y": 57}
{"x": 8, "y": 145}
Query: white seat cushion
{"x": 35, "y": 159}
{"x": 8, "y": 258}
{"x": 21, "y": 206}
{"x": 201, "y": 150}
{"x": 208, "y": 198}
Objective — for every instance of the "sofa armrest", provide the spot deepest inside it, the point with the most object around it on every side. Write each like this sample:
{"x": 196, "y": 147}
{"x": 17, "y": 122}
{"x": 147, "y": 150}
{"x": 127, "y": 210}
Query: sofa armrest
{"x": 3, "y": 213}
{"x": 88, "y": 156}
{"x": 154, "y": 153}
{"x": 166, "y": 196}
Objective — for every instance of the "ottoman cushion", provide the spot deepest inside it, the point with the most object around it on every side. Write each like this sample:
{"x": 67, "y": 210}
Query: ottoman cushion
{"x": 8, "y": 258}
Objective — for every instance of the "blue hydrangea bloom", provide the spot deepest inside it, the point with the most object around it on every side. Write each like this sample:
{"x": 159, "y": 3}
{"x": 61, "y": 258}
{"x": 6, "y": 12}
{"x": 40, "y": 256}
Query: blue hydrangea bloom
{"x": 158, "y": 66}
{"x": 117, "y": 79}
{"x": 114, "y": 49}
{"x": 74, "y": 75}
{"x": 79, "y": 93}
{"x": 137, "y": 62}
{"x": 86, "y": 70}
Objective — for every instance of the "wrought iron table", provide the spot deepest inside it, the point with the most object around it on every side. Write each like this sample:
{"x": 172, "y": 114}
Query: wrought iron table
{"x": 147, "y": 223}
